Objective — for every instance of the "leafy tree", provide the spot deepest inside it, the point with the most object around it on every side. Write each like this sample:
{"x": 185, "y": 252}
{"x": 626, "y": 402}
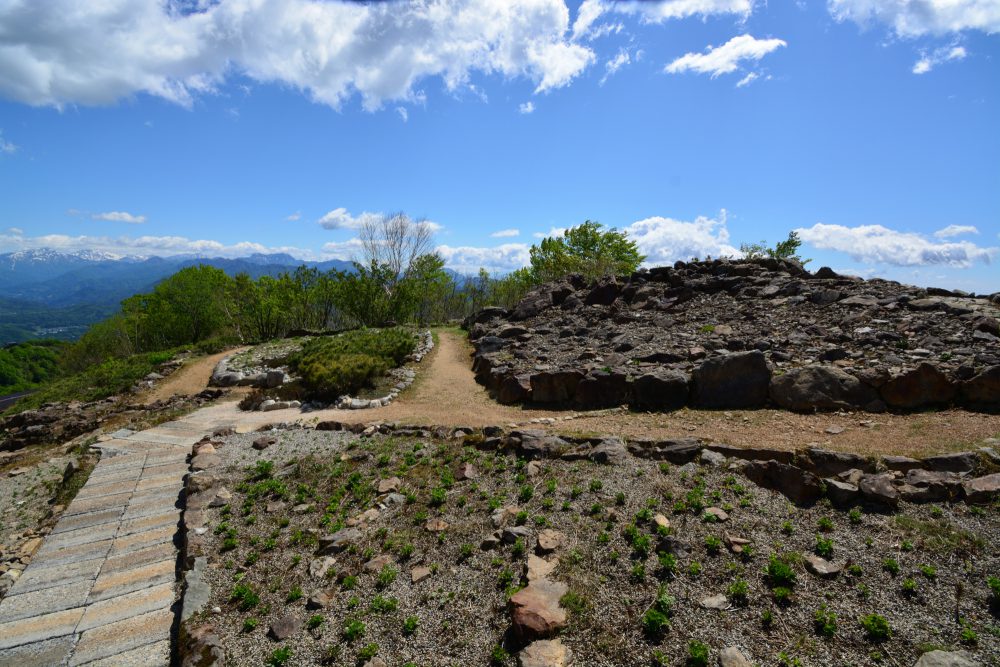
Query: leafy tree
{"x": 587, "y": 249}
{"x": 787, "y": 249}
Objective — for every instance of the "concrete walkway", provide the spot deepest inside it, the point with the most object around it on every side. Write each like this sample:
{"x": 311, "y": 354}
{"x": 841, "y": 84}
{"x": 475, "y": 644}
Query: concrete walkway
{"x": 102, "y": 587}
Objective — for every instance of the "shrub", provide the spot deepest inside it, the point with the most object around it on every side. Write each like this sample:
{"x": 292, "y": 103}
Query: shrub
{"x": 891, "y": 566}
{"x": 499, "y": 656}
{"x": 780, "y": 573}
{"x": 656, "y": 619}
{"x": 244, "y": 596}
{"x": 782, "y": 594}
{"x": 280, "y": 657}
{"x": 344, "y": 364}
{"x": 876, "y": 627}
{"x": 315, "y": 621}
{"x": 386, "y": 576}
{"x": 410, "y": 625}
{"x": 825, "y": 622}
{"x": 697, "y": 654}
{"x": 353, "y": 629}
{"x": 250, "y": 624}
{"x": 738, "y": 592}
{"x": 824, "y": 547}
{"x": 994, "y": 585}
{"x": 713, "y": 544}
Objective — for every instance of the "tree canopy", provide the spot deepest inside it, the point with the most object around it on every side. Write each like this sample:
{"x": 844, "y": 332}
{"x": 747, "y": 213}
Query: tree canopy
{"x": 587, "y": 249}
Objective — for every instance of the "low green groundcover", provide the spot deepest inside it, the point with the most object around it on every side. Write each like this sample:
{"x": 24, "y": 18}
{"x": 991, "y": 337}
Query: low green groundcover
{"x": 344, "y": 364}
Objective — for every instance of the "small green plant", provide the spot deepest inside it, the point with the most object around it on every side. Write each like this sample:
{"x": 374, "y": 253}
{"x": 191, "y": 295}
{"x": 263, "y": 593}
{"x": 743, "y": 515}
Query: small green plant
{"x": 782, "y": 594}
{"x": 656, "y": 619}
{"x": 825, "y": 524}
{"x": 638, "y": 572}
{"x": 891, "y": 566}
{"x": 738, "y": 592}
{"x": 353, "y": 629}
{"x": 367, "y": 653}
{"x": 697, "y": 654}
{"x": 280, "y": 657}
{"x": 825, "y": 622}
{"x": 315, "y": 621}
{"x": 517, "y": 551}
{"x": 499, "y": 656}
{"x": 779, "y": 572}
{"x": 410, "y": 624}
{"x": 876, "y": 627}
{"x": 521, "y": 518}
{"x": 596, "y": 485}
{"x": 381, "y": 605}
{"x": 767, "y": 618}
{"x": 250, "y": 624}
{"x": 968, "y": 635}
{"x": 668, "y": 563}
{"x": 573, "y": 602}
{"x": 694, "y": 568}
{"x": 909, "y": 587}
{"x": 993, "y": 583}
{"x": 854, "y": 570}
{"x": 785, "y": 660}
{"x": 386, "y": 576}
{"x": 294, "y": 594}
{"x": 928, "y": 571}
{"x": 854, "y": 516}
{"x": 526, "y": 493}
{"x": 824, "y": 547}
{"x": 787, "y": 528}
{"x": 713, "y": 544}
{"x": 349, "y": 582}
{"x": 244, "y": 596}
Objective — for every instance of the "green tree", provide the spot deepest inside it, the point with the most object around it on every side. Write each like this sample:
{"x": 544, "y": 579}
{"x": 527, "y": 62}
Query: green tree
{"x": 587, "y": 249}
{"x": 787, "y": 249}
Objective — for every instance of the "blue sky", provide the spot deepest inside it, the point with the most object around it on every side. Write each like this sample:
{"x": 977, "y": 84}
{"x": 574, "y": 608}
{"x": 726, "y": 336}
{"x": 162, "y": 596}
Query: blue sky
{"x": 228, "y": 127}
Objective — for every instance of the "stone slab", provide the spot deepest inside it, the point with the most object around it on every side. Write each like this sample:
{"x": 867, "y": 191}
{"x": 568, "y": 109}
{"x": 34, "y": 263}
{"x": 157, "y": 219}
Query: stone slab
{"x": 125, "y": 635}
{"x": 125, "y": 581}
{"x": 119, "y": 500}
{"x": 88, "y": 520}
{"x": 136, "y": 541}
{"x": 72, "y": 554}
{"x": 165, "y": 551}
{"x": 171, "y": 517}
{"x": 71, "y": 538}
{"x": 39, "y": 578}
{"x": 39, "y": 654}
{"x": 39, "y": 628}
{"x": 45, "y": 601}
{"x": 126, "y": 606}
{"x": 150, "y": 655}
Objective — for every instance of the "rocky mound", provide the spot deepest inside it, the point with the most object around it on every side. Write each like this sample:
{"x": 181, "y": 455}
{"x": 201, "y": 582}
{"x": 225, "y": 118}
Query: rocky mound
{"x": 741, "y": 334}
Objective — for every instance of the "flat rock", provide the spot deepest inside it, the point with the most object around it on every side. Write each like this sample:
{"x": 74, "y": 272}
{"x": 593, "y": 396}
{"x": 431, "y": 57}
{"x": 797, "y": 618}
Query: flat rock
{"x": 377, "y": 563}
{"x": 946, "y": 659}
{"x": 321, "y": 599}
{"x": 719, "y": 514}
{"x": 419, "y": 574}
{"x": 264, "y": 442}
{"x": 318, "y": 567}
{"x": 549, "y": 540}
{"x": 733, "y": 657}
{"x": 540, "y": 568}
{"x": 798, "y": 485}
{"x": 390, "y": 485}
{"x": 545, "y": 653}
{"x": 982, "y": 489}
{"x": 822, "y": 567}
{"x": 466, "y": 471}
{"x": 820, "y": 388}
{"x": 338, "y": 541}
{"x": 879, "y": 489}
{"x": 535, "y": 610}
{"x": 719, "y": 602}
{"x": 922, "y": 387}
{"x": 735, "y": 381}
{"x": 436, "y": 525}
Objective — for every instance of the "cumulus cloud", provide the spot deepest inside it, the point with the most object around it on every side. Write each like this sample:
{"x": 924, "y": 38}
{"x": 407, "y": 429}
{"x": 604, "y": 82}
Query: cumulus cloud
{"x": 650, "y": 11}
{"x": 120, "y": 216}
{"x": 929, "y": 61}
{"x": 526, "y": 108}
{"x": 16, "y": 231}
{"x": 552, "y": 233}
{"x": 666, "y": 240}
{"x": 341, "y": 218}
{"x": 144, "y": 246}
{"x": 506, "y": 233}
{"x": 500, "y": 259}
{"x": 913, "y": 18}
{"x": 875, "y": 244}
{"x": 346, "y": 250}
{"x": 62, "y": 52}
{"x": 294, "y": 216}
{"x": 955, "y": 230}
{"x": 726, "y": 58}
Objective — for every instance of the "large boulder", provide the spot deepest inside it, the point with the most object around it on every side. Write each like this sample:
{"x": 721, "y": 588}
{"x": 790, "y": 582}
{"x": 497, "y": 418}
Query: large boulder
{"x": 983, "y": 390}
{"x": 923, "y": 387}
{"x": 545, "y": 653}
{"x": 534, "y": 443}
{"x": 660, "y": 390}
{"x": 982, "y": 489}
{"x": 938, "y": 658}
{"x": 879, "y": 489}
{"x": 798, "y": 485}
{"x": 826, "y": 463}
{"x": 820, "y": 388}
{"x": 514, "y": 389}
{"x": 732, "y": 381}
{"x": 602, "y": 388}
{"x": 555, "y": 386}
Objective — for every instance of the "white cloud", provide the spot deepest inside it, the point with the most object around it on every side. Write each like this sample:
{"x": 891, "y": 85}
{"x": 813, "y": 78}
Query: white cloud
{"x": 120, "y": 216}
{"x": 6, "y": 146}
{"x": 63, "y": 52}
{"x": 875, "y": 244}
{"x": 347, "y": 250}
{"x": 502, "y": 258}
{"x": 143, "y": 246}
{"x": 929, "y": 61}
{"x": 526, "y": 108}
{"x": 612, "y": 66}
{"x": 955, "y": 230}
{"x": 665, "y": 240}
{"x": 726, "y": 58}
{"x": 589, "y": 12}
{"x": 403, "y": 113}
{"x": 658, "y": 11}
{"x": 506, "y": 233}
{"x": 748, "y": 79}
{"x": 16, "y": 231}
{"x": 294, "y": 216}
{"x": 912, "y": 18}
{"x": 340, "y": 218}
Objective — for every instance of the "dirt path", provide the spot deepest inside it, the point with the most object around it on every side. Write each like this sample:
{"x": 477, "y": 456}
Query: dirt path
{"x": 446, "y": 393}
{"x": 187, "y": 380}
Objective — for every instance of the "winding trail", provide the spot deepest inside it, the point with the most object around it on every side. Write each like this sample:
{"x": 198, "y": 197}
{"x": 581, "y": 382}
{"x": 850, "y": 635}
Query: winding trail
{"x": 102, "y": 588}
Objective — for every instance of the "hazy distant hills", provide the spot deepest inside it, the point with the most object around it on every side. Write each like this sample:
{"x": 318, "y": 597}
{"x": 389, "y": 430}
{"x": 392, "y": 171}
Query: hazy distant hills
{"x": 48, "y": 293}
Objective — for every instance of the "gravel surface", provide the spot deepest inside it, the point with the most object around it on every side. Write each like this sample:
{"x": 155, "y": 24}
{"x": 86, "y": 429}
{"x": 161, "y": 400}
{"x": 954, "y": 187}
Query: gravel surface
{"x": 461, "y": 609}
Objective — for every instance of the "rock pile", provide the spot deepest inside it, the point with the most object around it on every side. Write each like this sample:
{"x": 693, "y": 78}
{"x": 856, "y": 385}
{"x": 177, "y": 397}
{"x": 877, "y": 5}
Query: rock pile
{"x": 741, "y": 334}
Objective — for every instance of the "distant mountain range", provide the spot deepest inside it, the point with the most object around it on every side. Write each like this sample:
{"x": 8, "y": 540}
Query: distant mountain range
{"x": 47, "y": 293}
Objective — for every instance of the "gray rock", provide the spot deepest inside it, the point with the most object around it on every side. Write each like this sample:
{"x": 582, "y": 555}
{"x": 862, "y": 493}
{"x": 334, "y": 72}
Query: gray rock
{"x": 338, "y": 541}
{"x": 708, "y": 457}
{"x": 718, "y": 602}
{"x": 820, "y": 388}
{"x": 958, "y": 462}
{"x": 660, "y": 390}
{"x": 609, "y": 451}
{"x": 798, "y": 485}
{"x": 284, "y": 627}
{"x": 879, "y": 489}
{"x": 733, "y": 657}
{"x": 822, "y": 567}
{"x": 982, "y": 489}
{"x": 511, "y": 535}
{"x": 922, "y": 387}
{"x": 841, "y": 494}
{"x": 738, "y": 380}
{"x": 826, "y": 463}
{"x": 946, "y": 659}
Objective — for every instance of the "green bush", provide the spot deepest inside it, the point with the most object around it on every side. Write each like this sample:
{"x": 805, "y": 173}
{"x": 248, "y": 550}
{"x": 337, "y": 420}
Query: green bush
{"x": 344, "y": 364}
{"x": 876, "y": 627}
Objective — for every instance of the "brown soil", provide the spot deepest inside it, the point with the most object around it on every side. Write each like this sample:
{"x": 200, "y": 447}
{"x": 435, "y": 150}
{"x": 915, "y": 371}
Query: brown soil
{"x": 187, "y": 380}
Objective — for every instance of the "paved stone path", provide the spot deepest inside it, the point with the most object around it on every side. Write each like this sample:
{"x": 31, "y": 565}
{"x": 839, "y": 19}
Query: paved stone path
{"x": 102, "y": 586}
